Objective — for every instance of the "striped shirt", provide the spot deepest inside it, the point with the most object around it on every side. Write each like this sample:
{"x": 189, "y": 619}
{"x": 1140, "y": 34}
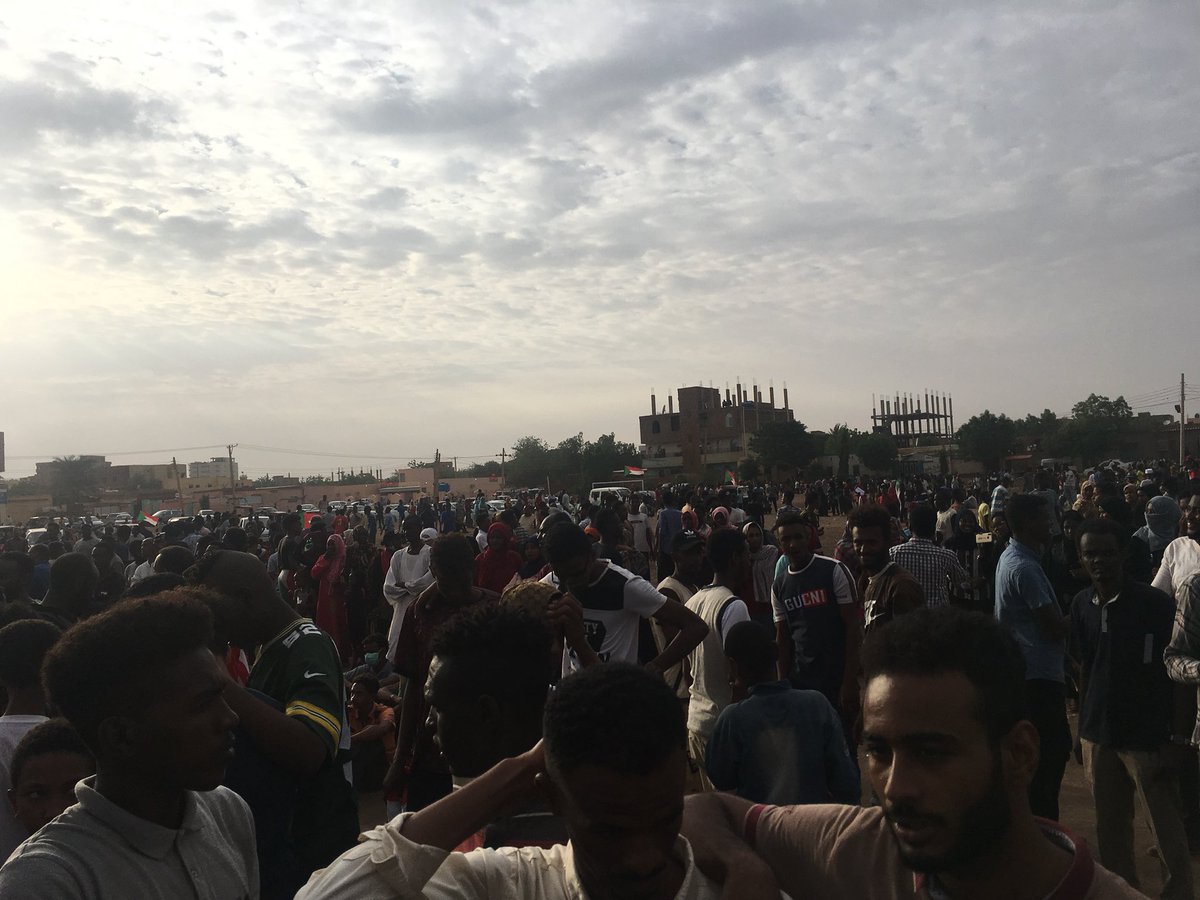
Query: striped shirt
{"x": 934, "y": 567}
{"x": 1182, "y": 655}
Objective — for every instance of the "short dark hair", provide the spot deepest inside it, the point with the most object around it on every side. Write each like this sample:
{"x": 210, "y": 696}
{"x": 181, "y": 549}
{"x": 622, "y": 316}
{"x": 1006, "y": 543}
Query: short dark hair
{"x": 155, "y": 584}
{"x": 1103, "y": 527}
{"x": 235, "y": 538}
{"x": 943, "y": 640}
{"x": 789, "y": 515}
{"x": 566, "y": 541}
{"x": 369, "y": 680}
{"x": 109, "y": 662}
{"x": 23, "y": 646}
{"x": 617, "y": 716}
{"x": 176, "y": 559}
{"x": 922, "y": 519}
{"x": 1023, "y": 510}
{"x": 870, "y": 515}
{"x": 723, "y": 545}
{"x": 453, "y": 551}
{"x": 752, "y": 644}
{"x": 505, "y": 650}
{"x": 51, "y": 736}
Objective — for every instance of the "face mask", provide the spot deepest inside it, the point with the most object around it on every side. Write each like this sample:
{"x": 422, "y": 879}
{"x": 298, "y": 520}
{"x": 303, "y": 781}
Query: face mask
{"x": 372, "y": 659}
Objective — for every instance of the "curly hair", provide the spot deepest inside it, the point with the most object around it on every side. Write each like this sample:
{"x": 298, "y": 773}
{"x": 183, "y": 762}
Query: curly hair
{"x": 23, "y": 646}
{"x": 870, "y": 515}
{"x": 617, "y": 716}
{"x": 453, "y": 552}
{"x": 566, "y": 541}
{"x": 945, "y": 640}
{"x": 51, "y": 736}
{"x": 111, "y": 663}
{"x": 505, "y": 650}
{"x": 723, "y": 545}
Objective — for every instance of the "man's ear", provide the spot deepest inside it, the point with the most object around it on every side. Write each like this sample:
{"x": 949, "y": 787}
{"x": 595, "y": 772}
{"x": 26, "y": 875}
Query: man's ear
{"x": 1020, "y": 750}
{"x": 119, "y": 736}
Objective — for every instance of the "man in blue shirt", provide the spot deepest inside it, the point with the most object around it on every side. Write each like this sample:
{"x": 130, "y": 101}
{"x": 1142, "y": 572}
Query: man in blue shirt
{"x": 1027, "y": 605}
{"x": 779, "y": 745}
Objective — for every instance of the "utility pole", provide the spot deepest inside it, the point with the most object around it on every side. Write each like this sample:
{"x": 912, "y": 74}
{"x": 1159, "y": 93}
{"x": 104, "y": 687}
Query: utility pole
{"x": 503, "y": 456}
{"x": 437, "y": 458}
{"x": 232, "y": 483}
{"x": 1182, "y": 420}
{"x": 178, "y": 487}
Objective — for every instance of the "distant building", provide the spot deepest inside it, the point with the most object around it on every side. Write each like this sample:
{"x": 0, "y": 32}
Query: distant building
{"x": 709, "y": 433}
{"x": 217, "y": 467}
{"x": 47, "y": 470}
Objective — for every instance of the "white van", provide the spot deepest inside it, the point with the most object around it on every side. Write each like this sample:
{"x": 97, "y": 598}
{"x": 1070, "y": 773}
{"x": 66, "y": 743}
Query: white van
{"x": 596, "y": 496}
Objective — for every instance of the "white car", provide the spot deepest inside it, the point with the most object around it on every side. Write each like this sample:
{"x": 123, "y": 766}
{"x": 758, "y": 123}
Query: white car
{"x": 308, "y": 507}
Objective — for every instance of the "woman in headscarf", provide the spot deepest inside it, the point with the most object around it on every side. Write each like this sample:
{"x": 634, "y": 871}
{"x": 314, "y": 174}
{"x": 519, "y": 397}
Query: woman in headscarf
{"x": 327, "y": 571}
{"x": 496, "y": 566}
{"x": 720, "y": 518}
{"x": 535, "y": 560}
{"x": 763, "y": 557}
{"x": 1162, "y": 526}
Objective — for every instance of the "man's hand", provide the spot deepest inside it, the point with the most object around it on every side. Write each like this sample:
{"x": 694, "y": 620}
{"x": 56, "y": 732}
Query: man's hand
{"x": 565, "y": 615}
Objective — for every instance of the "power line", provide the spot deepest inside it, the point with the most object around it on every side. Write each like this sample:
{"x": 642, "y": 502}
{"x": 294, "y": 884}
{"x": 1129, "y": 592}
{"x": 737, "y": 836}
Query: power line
{"x": 48, "y": 456}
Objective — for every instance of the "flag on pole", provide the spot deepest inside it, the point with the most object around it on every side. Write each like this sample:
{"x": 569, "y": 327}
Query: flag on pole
{"x": 730, "y": 478}
{"x": 634, "y": 470}
{"x": 144, "y": 517}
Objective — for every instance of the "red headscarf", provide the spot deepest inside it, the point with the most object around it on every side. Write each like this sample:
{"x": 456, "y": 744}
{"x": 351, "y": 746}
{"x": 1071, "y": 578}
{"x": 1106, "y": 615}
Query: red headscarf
{"x": 495, "y": 568}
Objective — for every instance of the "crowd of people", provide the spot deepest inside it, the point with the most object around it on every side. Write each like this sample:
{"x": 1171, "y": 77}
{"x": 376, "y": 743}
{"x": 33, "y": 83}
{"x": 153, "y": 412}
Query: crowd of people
{"x": 694, "y": 692}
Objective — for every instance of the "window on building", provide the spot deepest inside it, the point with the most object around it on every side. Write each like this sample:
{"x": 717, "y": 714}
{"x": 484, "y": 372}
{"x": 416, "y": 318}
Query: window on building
{"x": 674, "y": 423}
{"x": 655, "y": 428}
{"x": 728, "y": 420}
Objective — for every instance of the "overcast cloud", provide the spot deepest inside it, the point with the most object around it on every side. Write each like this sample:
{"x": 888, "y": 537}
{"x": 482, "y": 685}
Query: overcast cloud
{"x": 335, "y": 226}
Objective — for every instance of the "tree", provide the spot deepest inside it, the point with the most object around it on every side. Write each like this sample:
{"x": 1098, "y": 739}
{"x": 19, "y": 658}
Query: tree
{"x": 987, "y": 438}
{"x": 840, "y": 443}
{"x": 1094, "y": 429}
{"x": 782, "y": 445}
{"x": 528, "y": 464}
{"x": 600, "y": 459}
{"x": 877, "y": 451}
{"x": 73, "y": 479}
{"x": 1097, "y": 407}
{"x": 749, "y": 469}
{"x": 1039, "y": 426}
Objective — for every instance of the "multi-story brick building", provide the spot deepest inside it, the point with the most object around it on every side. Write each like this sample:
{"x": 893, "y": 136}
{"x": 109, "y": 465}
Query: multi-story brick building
{"x": 708, "y": 433}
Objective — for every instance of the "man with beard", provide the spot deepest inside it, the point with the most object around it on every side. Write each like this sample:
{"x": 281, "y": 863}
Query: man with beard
{"x": 887, "y": 589}
{"x": 950, "y": 755}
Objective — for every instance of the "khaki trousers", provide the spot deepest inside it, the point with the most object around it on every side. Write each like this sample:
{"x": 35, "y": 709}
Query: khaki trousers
{"x": 697, "y": 782}
{"x": 1114, "y": 776}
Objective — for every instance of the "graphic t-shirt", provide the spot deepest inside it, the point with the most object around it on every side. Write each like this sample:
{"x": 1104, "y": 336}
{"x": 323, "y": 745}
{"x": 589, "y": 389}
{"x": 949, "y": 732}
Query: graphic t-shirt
{"x": 613, "y": 607}
{"x": 809, "y": 601}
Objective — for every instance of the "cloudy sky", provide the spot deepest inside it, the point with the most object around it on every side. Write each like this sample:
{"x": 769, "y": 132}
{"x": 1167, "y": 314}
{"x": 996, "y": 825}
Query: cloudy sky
{"x": 375, "y": 229}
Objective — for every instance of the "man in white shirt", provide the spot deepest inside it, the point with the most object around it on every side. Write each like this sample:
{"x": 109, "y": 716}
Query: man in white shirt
{"x": 616, "y": 773}
{"x": 141, "y": 686}
{"x": 1181, "y": 559}
{"x": 407, "y": 576}
{"x": 720, "y": 609}
{"x": 614, "y": 601}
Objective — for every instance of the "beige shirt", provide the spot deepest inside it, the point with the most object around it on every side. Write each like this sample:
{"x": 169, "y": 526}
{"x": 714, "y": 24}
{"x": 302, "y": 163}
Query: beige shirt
{"x": 98, "y": 850}
{"x": 828, "y": 851}
{"x": 386, "y": 864}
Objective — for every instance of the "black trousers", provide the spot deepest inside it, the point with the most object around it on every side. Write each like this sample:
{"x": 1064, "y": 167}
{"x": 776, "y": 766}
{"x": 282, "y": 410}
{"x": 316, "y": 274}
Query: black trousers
{"x": 1048, "y": 712}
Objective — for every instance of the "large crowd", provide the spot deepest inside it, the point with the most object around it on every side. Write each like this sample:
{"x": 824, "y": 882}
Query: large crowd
{"x": 692, "y": 692}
